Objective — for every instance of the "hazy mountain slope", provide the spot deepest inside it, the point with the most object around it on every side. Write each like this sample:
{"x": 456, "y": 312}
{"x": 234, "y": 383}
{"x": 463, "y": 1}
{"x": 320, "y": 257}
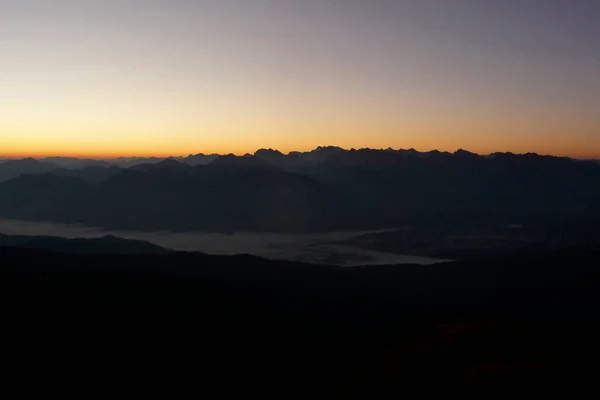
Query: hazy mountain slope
{"x": 13, "y": 168}
{"x": 442, "y": 185}
{"x": 175, "y": 196}
{"x": 75, "y": 163}
{"x": 89, "y": 174}
{"x": 215, "y": 198}
{"x": 127, "y": 162}
{"x": 45, "y": 197}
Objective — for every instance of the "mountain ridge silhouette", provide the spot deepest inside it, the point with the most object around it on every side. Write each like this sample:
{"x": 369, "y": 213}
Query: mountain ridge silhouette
{"x": 326, "y": 189}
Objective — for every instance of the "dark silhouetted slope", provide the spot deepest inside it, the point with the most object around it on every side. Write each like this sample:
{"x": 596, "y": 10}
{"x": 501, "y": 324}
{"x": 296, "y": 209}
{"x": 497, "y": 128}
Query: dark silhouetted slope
{"x": 213, "y": 197}
{"x": 246, "y": 161}
{"x": 92, "y": 246}
{"x": 176, "y": 196}
{"x": 200, "y": 159}
{"x": 517, "y": 321}
{"x": 45, "y": 197}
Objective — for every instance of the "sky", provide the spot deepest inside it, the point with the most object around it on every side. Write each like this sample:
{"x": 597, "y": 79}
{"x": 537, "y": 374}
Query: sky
{"x": 173, "y": 77}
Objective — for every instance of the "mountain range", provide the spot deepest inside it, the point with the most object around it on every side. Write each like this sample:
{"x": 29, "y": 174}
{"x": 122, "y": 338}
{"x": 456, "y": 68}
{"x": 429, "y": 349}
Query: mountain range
{"x": 326, "y": 189}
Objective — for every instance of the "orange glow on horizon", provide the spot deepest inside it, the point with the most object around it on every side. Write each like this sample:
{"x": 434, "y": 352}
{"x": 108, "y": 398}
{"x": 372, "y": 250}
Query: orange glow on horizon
{"x": 161, "y": 152}
{"x": 107, "y": 80}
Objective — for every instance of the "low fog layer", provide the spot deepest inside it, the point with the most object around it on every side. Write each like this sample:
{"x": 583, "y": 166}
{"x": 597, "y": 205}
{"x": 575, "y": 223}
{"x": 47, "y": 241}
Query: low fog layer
{"x": 315, "y": 248}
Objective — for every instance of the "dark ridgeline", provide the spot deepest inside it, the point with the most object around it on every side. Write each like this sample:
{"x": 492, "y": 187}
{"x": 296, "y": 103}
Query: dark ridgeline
{"x": 322, "y": 190}
{"x": 93, "y": 246}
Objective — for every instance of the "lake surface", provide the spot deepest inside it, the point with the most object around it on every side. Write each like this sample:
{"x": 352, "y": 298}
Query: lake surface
{"x": 317, "y": 248}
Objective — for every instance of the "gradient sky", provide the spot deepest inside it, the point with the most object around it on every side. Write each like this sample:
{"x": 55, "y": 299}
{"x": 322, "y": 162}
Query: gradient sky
{"x": 173, "y": 77}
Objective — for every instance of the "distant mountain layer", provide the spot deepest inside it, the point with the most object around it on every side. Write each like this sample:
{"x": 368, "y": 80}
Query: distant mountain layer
{"x": 13, "y": 168}
{"x": 10, "y": 169}
{"x": 71, "y": 162}
{"x": 96, "y": 246}
{"x": 322, "y": 190}
{"x": 174, "y": 196}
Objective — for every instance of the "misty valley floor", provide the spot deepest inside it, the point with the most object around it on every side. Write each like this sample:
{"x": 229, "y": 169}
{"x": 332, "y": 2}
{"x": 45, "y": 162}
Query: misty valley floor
{"x": 327, "y": 248}
{"x": 422, "y": 243}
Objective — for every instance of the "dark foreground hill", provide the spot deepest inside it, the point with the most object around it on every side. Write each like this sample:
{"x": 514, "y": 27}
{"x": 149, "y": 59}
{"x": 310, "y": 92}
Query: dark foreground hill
{"x": 247, "y": 324}
{"x": 94, "y": 246}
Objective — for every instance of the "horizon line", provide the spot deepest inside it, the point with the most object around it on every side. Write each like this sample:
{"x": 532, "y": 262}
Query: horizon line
{"x": 241, "y": 154}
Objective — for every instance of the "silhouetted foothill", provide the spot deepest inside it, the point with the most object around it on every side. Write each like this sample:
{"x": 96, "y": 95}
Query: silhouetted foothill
{"x": 516, "y": 321}
{"x": 107, "y": 244}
